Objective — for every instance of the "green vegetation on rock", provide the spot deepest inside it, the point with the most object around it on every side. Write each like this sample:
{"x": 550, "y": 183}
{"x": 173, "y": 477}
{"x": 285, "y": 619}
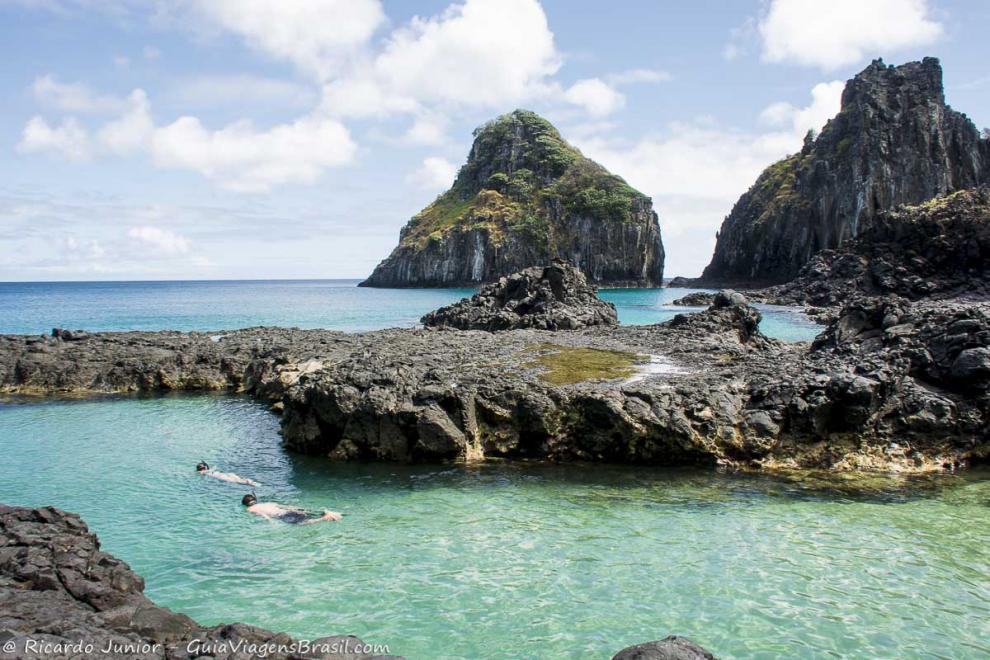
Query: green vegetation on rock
{"x": 775, "y": 188}
{"x": 521, "y": 174}
{"x": 564, "y": 365}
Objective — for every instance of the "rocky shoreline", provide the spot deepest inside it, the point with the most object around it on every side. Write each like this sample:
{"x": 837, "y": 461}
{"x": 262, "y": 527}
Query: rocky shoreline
{"x": 890, "y": 385}
{"x": 63, "y": 597}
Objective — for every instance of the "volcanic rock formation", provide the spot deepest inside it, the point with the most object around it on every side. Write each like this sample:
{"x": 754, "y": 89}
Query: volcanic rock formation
{"x": 557, "y": 297}
{"x": 894, "y": 141}
{"x": 937, "y": 249}
{"x": 524, "y": 197}
{"x": 891, "y": 384}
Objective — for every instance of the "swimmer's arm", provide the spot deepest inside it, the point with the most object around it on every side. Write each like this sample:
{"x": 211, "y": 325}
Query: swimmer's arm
{"x": 238, "y": 479}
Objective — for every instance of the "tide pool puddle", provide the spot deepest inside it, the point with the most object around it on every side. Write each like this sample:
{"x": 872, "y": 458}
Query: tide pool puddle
{"x": 509, "y": 560}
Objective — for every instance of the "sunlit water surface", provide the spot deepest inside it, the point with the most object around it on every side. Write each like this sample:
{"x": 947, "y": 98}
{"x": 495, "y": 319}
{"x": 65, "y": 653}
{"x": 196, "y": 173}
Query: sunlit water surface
{"x": 511, "y": 560}
{"x": 36, "y": 307}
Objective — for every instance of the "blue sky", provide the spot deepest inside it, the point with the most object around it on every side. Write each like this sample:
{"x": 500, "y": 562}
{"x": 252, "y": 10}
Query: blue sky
{"x": 205, "y": 139}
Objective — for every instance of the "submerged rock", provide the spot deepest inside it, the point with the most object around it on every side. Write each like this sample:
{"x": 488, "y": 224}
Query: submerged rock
{"x": 524, "y": 197}
{"x": 557, "y": 297}
{"x": 63, "y": 597}
{"x": 894, "y": 141}
{"x": 669, "y": 648}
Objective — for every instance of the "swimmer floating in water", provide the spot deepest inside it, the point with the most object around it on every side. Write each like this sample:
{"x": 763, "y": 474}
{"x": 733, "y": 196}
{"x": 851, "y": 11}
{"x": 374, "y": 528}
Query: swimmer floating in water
{"x": 204, "y": 468}
{"x": 272, "y": 511}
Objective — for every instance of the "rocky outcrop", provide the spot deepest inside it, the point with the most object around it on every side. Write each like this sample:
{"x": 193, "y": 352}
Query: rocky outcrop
{"x": 524, "y": 197}
{"x": 557, "y": 297}
{"x": 63, "y": 597}
{"x": 894, "y": 141}
{"x": 936, "y": 250}
{"x": 696, "y": 299}
{"x": 668, "y": 648}
{"x": 899, "y": 388}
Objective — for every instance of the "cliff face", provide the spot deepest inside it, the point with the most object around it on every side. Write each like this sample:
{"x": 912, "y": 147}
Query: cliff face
{"x": 937, "y": 249}
{"x": 525, "y": 197}
{"x": 894, "y": 141}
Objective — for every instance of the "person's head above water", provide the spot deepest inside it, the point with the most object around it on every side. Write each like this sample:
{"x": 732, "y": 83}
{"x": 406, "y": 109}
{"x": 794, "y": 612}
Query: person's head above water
{"x": 249, "y": 500}
{"x": 202, "y": 466}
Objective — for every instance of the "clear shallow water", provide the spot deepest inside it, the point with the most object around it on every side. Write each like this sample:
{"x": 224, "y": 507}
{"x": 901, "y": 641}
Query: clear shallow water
{"x": 644, "y": 306}
{"x": 37, "y": 307}
{"x": 511, "y": 560}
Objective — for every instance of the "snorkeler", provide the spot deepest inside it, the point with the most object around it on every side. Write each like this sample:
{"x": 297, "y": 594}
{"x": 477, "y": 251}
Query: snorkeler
{"x": 272, "y": 511}
{"x": 204, "y": 468}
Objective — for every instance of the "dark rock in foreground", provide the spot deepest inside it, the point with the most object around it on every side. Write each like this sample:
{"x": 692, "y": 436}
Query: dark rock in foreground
{"x": 557, "y": 297}
{"x": 895, "y": 141}
{"x": 669, "y": 648}
{"x": 62, "y": 597}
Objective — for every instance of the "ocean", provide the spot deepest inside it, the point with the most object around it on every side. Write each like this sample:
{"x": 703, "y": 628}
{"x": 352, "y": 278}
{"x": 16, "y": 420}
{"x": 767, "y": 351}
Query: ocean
{"x": 37, "y": 307}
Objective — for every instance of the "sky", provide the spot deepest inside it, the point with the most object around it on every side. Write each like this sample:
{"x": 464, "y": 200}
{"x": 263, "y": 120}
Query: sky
{"x": 254, "y": 139}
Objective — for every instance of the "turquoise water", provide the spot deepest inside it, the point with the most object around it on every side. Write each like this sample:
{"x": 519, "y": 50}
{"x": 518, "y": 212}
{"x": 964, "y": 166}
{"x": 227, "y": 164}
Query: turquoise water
{"x": 37, "y": 307}
{"x": 644, "y": 306}
{"x": 511, "y": 560}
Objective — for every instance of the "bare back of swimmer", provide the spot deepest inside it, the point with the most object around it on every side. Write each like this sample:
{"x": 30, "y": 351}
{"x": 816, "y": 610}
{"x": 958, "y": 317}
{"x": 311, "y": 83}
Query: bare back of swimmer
{"x": 293, "y": 516}
{"x": 204, "y": 469}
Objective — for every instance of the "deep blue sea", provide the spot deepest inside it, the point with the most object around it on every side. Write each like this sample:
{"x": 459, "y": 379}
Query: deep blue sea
{"x": 37, "y": 307}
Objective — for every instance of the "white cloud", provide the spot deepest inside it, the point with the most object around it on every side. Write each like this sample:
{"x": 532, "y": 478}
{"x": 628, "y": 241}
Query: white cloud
{"x": 237, "y": 157}
{"x": 634, "y": 76}
{"x": 843, "y": 32}
{"x": 427, "y": 129}
{"x": 481, "y": 53}
{"x": 69, "y": 139}
{"x": 595, "y": 96}
{"x": 131, "y": 131}
{"x": 210, "y": 91}
{"x": 73, "y": 248}
{"x": 695, "y": 171}
{"x": 434, "y": 174}
{"x": 162, "y": 240}
{"x": 240, "y": 157}
{"x": 363, "y": 97}
{"x": 318, "y": 36}
{"x": 73, "y": 98}
{"x": 825, "y": 101}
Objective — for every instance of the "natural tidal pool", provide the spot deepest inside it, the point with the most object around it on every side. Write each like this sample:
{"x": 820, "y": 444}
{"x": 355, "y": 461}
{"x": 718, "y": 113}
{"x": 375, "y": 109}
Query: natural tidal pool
{"x": 512, "y": 560}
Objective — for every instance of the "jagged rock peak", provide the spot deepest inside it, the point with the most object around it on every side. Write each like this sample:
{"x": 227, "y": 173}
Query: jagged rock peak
{"x": 524, "y": 197}
{"x": 893, "y": 142}
{"x": 557, "y": 297}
